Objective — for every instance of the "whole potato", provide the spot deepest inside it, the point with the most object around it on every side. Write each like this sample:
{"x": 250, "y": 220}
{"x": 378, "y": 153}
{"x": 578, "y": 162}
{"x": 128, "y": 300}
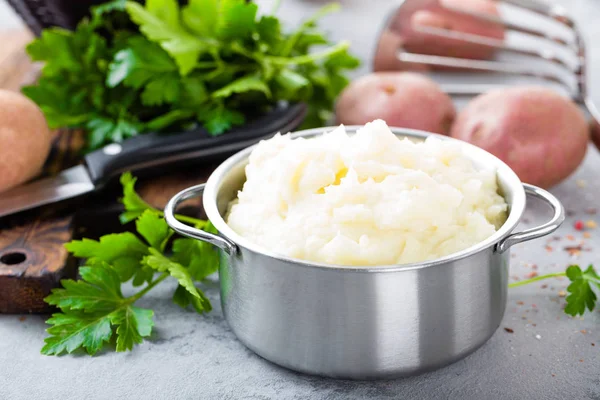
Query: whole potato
{"x": 407, "y": 31}
{"x": 595, "y": 132}
{"x": 540, "y": 134}
{"x": 386, "y": 58}
{"x": 402, "y": 99}
{"x": 448, "y": 20}
{"x": 24, "y": 139}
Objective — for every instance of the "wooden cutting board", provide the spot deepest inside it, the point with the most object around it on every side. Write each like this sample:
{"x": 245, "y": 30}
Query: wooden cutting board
{"x": 33, "y": 259}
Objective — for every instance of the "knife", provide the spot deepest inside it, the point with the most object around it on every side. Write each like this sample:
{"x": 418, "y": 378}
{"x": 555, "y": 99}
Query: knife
{"x": 145, "y": 152}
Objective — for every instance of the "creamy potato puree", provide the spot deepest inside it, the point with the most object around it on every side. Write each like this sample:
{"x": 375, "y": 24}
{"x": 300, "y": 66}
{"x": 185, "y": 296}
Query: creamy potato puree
{"x": 365, "y": 199}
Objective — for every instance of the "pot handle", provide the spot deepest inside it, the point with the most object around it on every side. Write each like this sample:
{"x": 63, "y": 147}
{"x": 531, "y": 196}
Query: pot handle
{"x": 542, "y": 230}
{"x": 192, "y": 232}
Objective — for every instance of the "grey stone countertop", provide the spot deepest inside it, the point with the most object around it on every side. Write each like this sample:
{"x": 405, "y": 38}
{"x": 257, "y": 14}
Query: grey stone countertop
{"x": 548, "y": 355}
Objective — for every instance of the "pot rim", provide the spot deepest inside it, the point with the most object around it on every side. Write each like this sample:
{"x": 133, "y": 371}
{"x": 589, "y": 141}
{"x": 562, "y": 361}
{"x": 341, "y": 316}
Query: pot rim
{"x": 513, "y": 183}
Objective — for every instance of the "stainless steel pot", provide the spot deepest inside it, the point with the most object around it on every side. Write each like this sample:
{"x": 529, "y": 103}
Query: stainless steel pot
{"x": 362, "y": 322}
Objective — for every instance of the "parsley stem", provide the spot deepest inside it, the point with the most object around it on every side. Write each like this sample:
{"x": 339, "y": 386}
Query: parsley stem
{"x": 537, "y": 278}
{"x": 148, "y": 288}
{"x": 309, "y": 57}
{"x": 206, "y": 64}
{"x": 275, "y": 6}
{"x": 238, "y": 48}
{"x": 190, "y": 220}
{"x": 198, "y": 223}
{"x": 291, "y": 42}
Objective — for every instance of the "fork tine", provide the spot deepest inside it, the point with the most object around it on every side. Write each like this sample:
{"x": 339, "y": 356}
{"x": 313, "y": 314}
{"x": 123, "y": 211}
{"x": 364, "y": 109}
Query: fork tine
{"x": 555, "y": 11}
{"x": 497, "y": 44}
{"x": 470, "y": 89}
{"x": 557, "y": 14}
{"x": 474, "y": 89}
{"x": 479, "y": 65}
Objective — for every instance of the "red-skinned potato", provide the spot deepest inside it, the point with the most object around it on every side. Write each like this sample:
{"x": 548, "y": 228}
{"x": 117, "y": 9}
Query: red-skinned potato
{"x": 595, "y": 132}
{"x": 402, "y": 99}
{"x": 448, "y": 20}
{"x": 407, "y": 31}
{"x": 24, "y": 139}
{"x": 386, "y": 59}
{"x": 540, "y": 134}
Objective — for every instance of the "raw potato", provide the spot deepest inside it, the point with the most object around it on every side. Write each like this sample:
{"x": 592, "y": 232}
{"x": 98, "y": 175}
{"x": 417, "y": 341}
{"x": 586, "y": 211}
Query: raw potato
{"x": 540, "y": 134}
{"x": 408, "y": 34}
{"x": 24, "y": 139}
{"x": 402, "y": 99}
{"x": 448, "y": 20}
{"x": 595, "y": 132}
{"x": 386, "y": 55}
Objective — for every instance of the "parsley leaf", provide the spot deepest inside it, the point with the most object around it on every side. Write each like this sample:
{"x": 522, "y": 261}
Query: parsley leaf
{"x": 183, "y": 298}
{"x": 145, "y": 64}
{"x": 72, "y": 92}
{"x": 93, "y": 310}
{"x": 581, "y": 295}
{"x": 134, "y": 204}
{"x": 201, "y": 258}
{"x": 220, "y": 119}
{"x": 74, "y": 66}
{"x": 105, "y": 8}
{"x": 292, "y": 85}
{"x": 163, "y": 121}
{"x": 61, "y": 108}
{"x": 117, "y": 131}
{"x": 269, "y": 31}
{"x": 194, "y": 92}
{"x": 71, "y": 331}
{"x": 159, "y": 22}
{"x": 582, "y": 289}
{"x": 133, "y": 324}
{"x": 243, "y": 85}
{"x": 237, "y": 19}
{"x": 99, "y": 290}
{"x": 156, "y": 260}
{"x": 161, "y": 263}
{"x": 201, "y": 16}
{"x": 122, "y": 250}
{"x": 154, "y": 229}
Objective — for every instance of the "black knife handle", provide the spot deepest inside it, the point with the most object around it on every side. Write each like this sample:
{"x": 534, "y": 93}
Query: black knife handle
{"x": 155, "y": 150}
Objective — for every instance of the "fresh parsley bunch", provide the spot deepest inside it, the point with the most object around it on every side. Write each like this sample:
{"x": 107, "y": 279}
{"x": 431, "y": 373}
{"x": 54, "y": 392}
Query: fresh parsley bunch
{"x": 94, "y": 311}
{"x": 133, "y": 68}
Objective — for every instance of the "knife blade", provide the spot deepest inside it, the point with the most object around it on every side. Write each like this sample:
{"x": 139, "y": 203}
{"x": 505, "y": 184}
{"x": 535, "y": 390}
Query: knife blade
{"x": 144, "y": 152}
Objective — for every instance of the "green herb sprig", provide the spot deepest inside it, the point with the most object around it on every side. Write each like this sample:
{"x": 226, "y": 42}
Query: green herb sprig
{"x": 581, "y": 290}
{"x": 133, "y": 68}
{"x": 94, "y": 311}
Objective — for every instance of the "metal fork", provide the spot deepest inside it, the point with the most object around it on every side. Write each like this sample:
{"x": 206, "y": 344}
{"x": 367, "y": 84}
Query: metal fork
{"x": 404, "y": 44}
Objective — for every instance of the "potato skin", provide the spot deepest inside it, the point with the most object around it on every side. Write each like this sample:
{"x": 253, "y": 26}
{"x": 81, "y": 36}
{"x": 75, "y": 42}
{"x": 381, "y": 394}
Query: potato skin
{"x": 405, "y": 32}
{"x": 540, "y": 134}
{"x": 24, "y": 139}
{"x": 441, "y": 18}
{"x": 402, "y": 99}
{"x": 595, "y": 132}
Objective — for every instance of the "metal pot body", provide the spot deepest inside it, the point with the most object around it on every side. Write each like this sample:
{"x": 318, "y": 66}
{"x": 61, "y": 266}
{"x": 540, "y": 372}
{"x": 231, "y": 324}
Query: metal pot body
{"x": 361, "y": 325}
{"x": 362, "y": 322}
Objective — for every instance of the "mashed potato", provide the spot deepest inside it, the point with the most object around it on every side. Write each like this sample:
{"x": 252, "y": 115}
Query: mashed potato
{"x": 365, "y": 199}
